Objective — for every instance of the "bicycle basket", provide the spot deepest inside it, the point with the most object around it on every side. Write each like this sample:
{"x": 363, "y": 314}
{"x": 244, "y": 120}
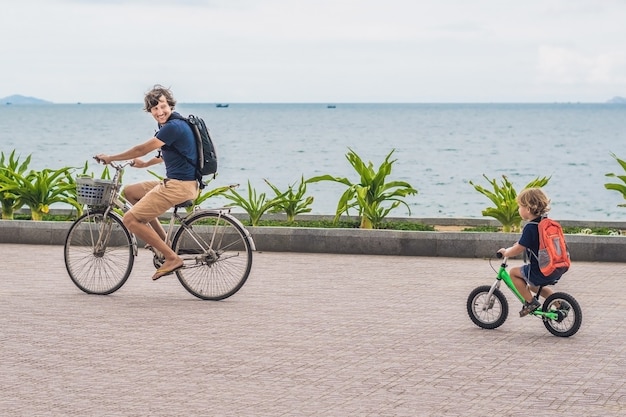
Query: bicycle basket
{"x": 93, "y": 192}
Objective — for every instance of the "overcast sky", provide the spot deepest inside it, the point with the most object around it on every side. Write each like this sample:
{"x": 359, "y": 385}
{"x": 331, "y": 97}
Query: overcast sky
{"x": 264, "y": 51}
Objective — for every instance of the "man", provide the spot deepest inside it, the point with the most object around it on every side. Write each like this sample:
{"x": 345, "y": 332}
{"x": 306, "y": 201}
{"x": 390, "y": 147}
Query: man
{"x": 151, "y": 199}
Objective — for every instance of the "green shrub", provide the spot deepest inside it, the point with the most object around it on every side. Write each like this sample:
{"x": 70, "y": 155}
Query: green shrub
{"x": 371, "y": 194}
{"x": 503, "y": 196}
{"x": 621, "y": 188}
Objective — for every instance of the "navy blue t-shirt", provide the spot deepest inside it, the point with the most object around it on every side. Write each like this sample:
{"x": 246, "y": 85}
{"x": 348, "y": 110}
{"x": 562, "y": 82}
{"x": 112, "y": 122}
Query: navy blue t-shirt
{"x": 176, "y": 133}
{"x": 530, "y": 240}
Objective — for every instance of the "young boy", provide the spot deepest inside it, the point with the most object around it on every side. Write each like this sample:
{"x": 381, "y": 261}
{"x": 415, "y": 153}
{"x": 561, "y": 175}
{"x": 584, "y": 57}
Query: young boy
{"x": 533, "y": 205}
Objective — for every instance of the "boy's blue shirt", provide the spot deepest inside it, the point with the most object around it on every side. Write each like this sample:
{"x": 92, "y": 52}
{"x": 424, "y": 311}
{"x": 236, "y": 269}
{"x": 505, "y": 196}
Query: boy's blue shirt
{"x": 530, "y": 240}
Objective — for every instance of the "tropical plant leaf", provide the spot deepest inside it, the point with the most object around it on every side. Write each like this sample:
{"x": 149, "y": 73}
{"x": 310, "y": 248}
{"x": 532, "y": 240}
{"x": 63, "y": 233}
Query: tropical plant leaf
{"x": 621, "y": 188}
{"x": 504, "y": 197}
{"x": 291, "y": 202}
{"x": 254, "y": 204}
{"x": 373, "y": 196}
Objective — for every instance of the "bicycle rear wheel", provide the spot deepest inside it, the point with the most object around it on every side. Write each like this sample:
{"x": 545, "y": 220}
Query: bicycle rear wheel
{"x": 570, "y": 315}
{"x": 99, "y": 253}
{"x": 217, "y": 255}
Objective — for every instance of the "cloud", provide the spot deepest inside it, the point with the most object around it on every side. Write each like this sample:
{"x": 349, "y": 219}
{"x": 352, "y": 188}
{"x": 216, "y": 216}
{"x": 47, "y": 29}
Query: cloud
{"x": 562, "y": 65}
{"x": 337, "y": 50}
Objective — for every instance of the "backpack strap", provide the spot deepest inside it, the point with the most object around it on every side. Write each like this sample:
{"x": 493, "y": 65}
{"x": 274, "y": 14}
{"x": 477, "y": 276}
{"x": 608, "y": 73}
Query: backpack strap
{"x": 178, "y": 116}
{"x": 535, "y": 255}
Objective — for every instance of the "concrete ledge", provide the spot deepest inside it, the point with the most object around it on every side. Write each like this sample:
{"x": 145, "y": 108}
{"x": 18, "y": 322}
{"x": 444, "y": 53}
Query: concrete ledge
{"x": 33, "y": 233}
{"x": 447, "y": 244}
{"x": 357, "y": 241}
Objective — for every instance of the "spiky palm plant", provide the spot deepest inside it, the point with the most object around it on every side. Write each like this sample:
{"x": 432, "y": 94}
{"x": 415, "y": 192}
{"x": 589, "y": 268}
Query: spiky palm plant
{"x": 10, "y": 200}
{"x": 40, "y": 189}
{"x": 621, "y": 188}
{"x": 371, "y": 195}
{"x": 504, "y": 197}
{"x": 254, "y": 204}
{"x": 293, "y": 202}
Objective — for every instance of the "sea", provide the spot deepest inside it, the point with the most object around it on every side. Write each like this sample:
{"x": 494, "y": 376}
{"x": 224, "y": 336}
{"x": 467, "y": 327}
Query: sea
{"x": 437, "y": 148}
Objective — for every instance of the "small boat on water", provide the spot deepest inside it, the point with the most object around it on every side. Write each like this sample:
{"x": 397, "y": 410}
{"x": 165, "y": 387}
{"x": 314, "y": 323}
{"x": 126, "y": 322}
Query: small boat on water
{"x": 221, "y": 105}
{"x": 331, "y": 106}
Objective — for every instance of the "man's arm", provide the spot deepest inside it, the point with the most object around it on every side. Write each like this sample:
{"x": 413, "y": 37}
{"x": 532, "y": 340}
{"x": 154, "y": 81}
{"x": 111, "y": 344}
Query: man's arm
{"x": 140, "y": 163}
{"x": 134, "y": 152}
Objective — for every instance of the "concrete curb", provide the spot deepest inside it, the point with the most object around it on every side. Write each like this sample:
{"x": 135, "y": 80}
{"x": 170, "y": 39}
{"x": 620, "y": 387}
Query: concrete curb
{"x": 587, "y": 248}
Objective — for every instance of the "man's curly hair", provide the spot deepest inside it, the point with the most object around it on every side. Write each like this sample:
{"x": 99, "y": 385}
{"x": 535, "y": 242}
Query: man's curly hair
{"x": 152, "y": 97}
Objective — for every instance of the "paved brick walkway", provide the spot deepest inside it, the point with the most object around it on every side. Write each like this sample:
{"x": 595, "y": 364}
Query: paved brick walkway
{"x": 308, "y": 335}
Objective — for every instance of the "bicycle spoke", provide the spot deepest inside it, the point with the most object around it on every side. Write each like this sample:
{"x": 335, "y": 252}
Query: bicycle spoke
{"x": 217, "y": 271}
{"x": 98, "y": 266}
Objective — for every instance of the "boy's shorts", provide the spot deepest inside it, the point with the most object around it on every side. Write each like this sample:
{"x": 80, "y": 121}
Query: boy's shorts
{"x": 162, "y": 196}
{"x": 535, "y": 281}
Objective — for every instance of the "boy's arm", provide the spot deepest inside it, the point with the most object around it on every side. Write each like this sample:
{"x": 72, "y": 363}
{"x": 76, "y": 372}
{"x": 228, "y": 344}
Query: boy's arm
{"x": 511, "y": 251}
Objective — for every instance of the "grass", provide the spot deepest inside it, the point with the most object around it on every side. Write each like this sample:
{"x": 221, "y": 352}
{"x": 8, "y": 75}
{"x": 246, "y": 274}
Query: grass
{"x": 48, "y": 217}
{"x": 344, "y": 224}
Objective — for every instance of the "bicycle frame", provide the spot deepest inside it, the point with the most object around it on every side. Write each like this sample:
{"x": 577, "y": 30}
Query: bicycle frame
{"x": 115, "y": 201}
{"x": 503, "y": 275}
{"x": 209, "y": 253}
{"x": 181, "y": 220}
{"x": 100, "y": 250}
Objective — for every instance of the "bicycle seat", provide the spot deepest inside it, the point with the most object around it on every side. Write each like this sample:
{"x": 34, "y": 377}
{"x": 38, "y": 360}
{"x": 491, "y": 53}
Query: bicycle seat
{"x": 184, "y": 204}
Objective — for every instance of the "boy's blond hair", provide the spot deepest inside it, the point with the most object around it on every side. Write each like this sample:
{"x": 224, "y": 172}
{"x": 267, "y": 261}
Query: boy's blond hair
{"x": 535, "y": 200}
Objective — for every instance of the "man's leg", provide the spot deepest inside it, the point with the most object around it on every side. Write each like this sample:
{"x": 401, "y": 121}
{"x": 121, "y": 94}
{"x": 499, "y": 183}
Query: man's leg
{"x": 157, "y": 200}
{"x": 134, "y": 193}
{"x": 146, "y": 233}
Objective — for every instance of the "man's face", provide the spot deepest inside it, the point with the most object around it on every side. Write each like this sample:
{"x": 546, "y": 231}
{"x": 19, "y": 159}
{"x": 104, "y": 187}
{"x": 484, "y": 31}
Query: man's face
{"x": 162, "y": 111}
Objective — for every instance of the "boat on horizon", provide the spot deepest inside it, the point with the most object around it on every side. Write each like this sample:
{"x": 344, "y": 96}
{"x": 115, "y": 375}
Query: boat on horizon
{"x": 221, "y": 105}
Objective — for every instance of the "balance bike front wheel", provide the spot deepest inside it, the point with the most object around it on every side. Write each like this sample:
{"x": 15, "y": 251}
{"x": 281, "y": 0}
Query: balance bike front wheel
{"x": 487, "y": 312}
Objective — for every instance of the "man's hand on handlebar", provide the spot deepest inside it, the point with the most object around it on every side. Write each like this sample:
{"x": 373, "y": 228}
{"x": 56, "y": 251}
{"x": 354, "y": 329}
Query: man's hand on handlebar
{"x": 103, "y": 159}
{"x": 138, "y": 163}
{"x": 106, "y": 160}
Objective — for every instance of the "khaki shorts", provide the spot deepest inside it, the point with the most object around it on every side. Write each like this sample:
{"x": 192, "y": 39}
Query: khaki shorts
{"x": 162, "y": 196}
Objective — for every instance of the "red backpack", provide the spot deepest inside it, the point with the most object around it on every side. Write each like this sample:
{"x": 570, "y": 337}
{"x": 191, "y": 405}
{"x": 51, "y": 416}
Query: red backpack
{"x": 553, "y": 256}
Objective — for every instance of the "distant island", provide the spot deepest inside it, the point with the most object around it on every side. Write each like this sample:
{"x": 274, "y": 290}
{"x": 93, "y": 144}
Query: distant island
{"x": 19, "y": 99}
{"x": 617, "y": 100}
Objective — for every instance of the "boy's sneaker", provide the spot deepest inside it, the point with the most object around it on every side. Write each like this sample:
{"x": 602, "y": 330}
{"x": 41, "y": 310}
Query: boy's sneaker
{"x": 562, "y": 311}
{"x": 565, "y": 307}
{"x": 528, "y": 307}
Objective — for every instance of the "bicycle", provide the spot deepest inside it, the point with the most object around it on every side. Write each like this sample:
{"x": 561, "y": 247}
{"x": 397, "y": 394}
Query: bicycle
{"x": 100, "y": 251}
{"x": 488, "y": 307}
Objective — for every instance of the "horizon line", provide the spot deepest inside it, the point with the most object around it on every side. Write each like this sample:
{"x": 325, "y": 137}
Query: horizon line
{"x": 314, "y": 102}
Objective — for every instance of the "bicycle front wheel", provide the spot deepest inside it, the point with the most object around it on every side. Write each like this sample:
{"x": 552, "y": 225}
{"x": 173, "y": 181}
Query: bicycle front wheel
{"x": 487, "y": 312}
{"x": 99, "y": 253}
{"x": 217, "y": 255}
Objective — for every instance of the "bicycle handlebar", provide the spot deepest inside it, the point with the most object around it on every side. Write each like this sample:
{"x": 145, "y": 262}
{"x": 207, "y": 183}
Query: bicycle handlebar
{"x": 499, "y": 255}
{"x": 114, "y": 165}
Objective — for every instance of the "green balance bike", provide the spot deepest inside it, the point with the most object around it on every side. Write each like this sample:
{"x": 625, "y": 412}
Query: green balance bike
{"x": 488, "y": 307}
